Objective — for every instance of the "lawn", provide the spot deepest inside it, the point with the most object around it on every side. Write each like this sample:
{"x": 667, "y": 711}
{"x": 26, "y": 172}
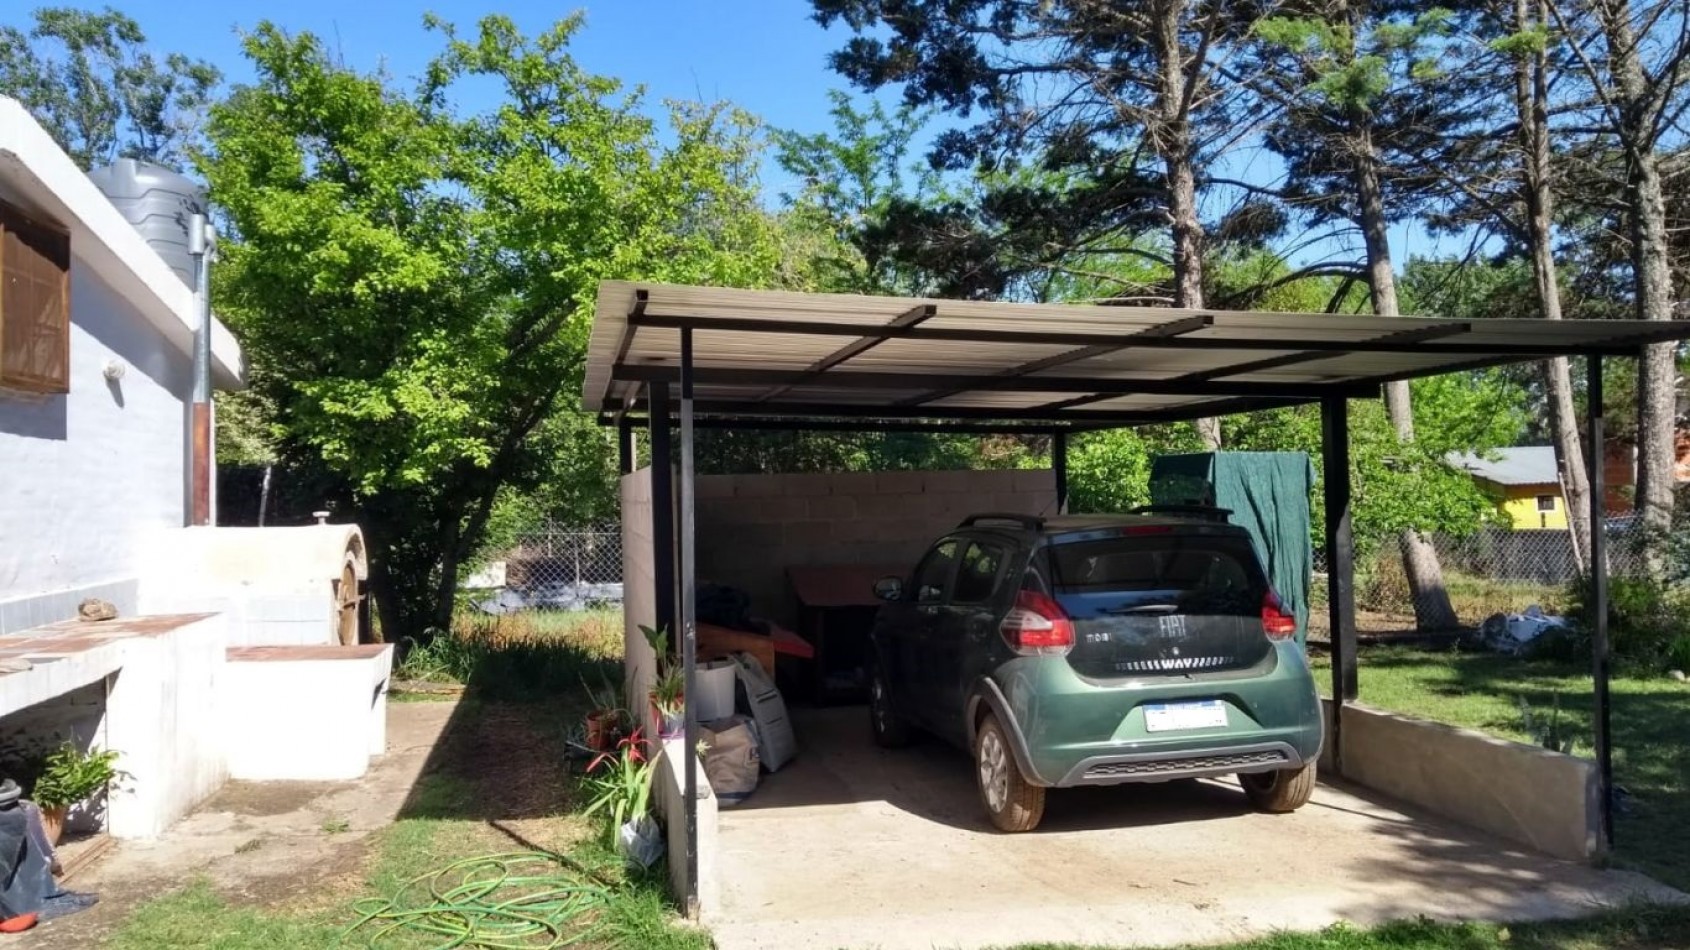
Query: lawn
{"x": 497, "y": 784}
{"x": 1651, "y": 729}
{"x": 1644, "y": 928}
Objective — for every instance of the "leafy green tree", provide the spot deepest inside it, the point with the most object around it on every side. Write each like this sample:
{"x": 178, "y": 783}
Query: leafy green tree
{"x": 417, "y": 281}
{"x": 90, "y": 80}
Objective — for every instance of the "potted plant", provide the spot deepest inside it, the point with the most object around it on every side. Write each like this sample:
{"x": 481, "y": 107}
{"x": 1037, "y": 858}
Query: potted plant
{"x": 668, "y": 701}
{"x": 620, "y": 784}
{"x": 607, "y": 719}
{"x": 69, "y": 778}
{"x": 668, "y": 689}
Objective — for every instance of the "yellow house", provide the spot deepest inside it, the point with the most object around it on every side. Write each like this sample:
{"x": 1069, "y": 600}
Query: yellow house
{"x": 1524, "y": 482}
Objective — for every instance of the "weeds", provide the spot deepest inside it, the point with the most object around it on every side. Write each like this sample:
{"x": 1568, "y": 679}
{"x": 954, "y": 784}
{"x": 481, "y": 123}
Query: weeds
{"x": 524, "y": 656}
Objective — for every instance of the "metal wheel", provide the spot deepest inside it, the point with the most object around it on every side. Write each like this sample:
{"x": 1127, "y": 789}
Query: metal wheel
{"x": 1012, "y": 802}
{"x": 346, "y": 600}
{"x": 890, "y": 730}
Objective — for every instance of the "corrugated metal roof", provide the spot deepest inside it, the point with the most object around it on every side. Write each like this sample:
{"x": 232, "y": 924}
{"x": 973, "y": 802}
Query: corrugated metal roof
{"x": 776, "y": 354}
{"x": 1517, "y": 465}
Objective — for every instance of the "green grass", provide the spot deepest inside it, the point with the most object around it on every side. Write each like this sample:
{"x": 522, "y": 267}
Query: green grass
{"x": 1642, "y": 928}
{"x": 1650, "y": 721}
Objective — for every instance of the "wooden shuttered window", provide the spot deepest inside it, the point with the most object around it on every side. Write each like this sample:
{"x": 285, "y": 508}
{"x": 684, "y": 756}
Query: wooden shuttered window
{"x": 34, "y": 304}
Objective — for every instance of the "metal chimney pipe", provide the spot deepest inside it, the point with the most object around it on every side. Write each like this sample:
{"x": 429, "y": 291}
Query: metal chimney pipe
{"x": 201, "y": 245}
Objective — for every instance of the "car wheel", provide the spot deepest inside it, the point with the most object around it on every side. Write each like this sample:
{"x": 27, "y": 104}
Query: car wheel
{"x": 890, "y": 729}
{"x": 1281, "y": 791}
{"x": 1013, "y": 803}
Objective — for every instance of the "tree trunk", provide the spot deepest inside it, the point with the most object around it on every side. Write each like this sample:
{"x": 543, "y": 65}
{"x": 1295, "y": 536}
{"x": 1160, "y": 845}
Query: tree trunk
{"x": 1432, "y": 608}
{"x": 1652, "y": 275}
{"x": 1172, "y": 137}
{"x": 1531, "y": 99}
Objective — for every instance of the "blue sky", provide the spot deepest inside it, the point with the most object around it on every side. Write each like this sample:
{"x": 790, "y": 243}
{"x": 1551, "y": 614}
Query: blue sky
{"x": 767, "y": 56}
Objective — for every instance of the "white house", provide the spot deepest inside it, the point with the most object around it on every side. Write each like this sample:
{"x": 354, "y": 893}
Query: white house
{"x": 220, "y": 630}
{"x": 96, "y": 333}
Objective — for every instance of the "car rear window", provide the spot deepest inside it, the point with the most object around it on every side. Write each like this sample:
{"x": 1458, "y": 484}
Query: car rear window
{"x": 1172, "y": 568}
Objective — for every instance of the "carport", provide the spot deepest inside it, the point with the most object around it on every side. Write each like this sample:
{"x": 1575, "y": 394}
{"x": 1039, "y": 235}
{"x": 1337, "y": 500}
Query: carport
{"x": 671, "y": 358}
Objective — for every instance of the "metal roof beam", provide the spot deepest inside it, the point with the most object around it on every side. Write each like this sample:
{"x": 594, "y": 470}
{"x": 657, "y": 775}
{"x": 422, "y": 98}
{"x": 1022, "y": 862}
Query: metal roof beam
{"x": 733, "y": 376}
{"x": 1522, "y": 351}
{"x": 1415, "y": 335}
{"x": 730, "y": 410}
{"x": 908, "y": 318}
{"x": 1201, "y": 321}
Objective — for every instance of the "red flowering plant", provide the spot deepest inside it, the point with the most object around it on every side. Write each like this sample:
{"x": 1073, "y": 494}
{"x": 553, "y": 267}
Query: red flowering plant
{"x": 620, "y": 782}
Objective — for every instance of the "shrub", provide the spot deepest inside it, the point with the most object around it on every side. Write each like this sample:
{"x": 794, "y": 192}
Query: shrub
{"x": 1646, "y": 618}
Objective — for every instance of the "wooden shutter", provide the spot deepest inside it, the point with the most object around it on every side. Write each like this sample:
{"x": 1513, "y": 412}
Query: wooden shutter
{"x": 34, "y": 304}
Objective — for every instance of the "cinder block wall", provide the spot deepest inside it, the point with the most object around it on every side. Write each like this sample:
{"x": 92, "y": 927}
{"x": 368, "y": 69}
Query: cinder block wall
{"x": 639, "y": 588}
{"x": 752, "y": 527}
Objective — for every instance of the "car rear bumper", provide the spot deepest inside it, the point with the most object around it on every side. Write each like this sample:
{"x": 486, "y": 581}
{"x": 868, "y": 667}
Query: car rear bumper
{"x": 1066, "y": 730}
{"x": 1163, "y": 766}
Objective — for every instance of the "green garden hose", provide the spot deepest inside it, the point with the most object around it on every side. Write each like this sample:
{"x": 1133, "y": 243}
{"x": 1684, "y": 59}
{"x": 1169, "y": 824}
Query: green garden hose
{"x": 523, "y": 900}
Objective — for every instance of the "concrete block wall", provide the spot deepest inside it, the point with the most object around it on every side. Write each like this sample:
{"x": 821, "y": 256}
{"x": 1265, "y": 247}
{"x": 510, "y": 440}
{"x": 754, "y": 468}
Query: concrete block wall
{"x": 752, "y": 527}
{"x": 1523, "y": 793}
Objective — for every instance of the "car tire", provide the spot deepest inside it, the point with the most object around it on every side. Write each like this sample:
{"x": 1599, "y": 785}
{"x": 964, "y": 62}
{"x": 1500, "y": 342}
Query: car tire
{"x": 1280, "y": 792}
{"x": 1011, "y": 802}
{"x": 891, "y": 731}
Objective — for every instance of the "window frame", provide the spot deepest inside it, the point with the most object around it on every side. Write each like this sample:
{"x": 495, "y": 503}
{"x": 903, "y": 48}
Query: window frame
{"x": 1552, "y": 505}
{"x": 1002, "y": 553}
{"x": 949, "y": 581}
{"x": 14, "y": 219}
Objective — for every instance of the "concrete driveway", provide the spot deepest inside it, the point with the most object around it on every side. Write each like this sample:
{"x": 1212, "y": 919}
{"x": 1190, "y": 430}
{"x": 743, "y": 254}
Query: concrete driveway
{"x": 852, "y": 846}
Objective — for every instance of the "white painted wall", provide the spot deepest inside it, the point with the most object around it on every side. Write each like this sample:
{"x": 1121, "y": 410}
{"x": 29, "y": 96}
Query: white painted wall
{"x": 89, "y": 474}
{"x": 305, "y": 718}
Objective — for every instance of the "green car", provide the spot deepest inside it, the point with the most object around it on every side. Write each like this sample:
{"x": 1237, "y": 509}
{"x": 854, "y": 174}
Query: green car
{"x": 1097, "y": 650}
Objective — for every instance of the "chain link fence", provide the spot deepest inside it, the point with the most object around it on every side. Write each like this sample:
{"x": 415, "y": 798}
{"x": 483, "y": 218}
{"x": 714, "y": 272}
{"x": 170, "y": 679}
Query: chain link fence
{"x": 556, "y": 567}
{"x": 1489, "y": 572}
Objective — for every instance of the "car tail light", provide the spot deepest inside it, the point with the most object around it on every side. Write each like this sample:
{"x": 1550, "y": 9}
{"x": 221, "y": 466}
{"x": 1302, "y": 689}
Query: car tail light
{"x": 1037, "y": 624}
{"x": 1276, "y": 623}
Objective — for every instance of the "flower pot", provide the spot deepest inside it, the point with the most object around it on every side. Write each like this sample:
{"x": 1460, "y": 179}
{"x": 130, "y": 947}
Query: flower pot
{"x": 604, "y": 729}
{"x": 670, "y": 725}
{"x": 53, "y": 823}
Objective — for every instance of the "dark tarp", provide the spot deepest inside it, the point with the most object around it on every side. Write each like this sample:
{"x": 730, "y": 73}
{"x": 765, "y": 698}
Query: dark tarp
{"x": 1268, "y": 494}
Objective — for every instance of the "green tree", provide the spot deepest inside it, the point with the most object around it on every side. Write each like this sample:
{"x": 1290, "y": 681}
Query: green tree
{"x": 417, "y": 281}
{"x": 91, "y": 81}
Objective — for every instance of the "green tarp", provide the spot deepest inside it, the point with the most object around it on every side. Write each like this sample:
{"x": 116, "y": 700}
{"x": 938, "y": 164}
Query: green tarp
{"x": 1268, "y": 494}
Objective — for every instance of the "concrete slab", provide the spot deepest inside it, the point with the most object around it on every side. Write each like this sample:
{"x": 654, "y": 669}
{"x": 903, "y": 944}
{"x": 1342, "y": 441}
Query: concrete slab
{"x": 852, "y": 846}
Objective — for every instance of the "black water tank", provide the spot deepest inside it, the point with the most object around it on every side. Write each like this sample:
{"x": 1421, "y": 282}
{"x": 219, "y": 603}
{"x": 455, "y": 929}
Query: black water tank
{"x": 158, "y": 202}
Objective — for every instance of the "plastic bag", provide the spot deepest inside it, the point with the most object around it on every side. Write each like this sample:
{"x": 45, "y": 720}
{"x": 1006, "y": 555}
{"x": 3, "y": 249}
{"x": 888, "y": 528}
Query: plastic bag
{"x": 731, "y": 762}
{"x": 640, "y": 842}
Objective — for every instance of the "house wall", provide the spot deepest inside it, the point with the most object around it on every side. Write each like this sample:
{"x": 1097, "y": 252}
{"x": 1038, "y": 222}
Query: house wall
{"x": 752, "y": 527}
{"x": 1519, "y": 504}
{"x": 90, "y": 473}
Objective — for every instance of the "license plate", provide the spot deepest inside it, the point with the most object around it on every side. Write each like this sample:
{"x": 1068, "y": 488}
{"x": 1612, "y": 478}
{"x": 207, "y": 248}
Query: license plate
{"x": 1170, "y": 717}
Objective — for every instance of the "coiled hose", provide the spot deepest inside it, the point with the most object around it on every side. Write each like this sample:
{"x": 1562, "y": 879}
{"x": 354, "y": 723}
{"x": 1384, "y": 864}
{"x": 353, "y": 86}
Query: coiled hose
{"x": 523, "y": 900}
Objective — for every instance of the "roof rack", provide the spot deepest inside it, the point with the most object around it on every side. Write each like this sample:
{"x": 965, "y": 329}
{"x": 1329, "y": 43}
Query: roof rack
{"x": 1030, "y": 522}
{"x": 1203, "y": 512}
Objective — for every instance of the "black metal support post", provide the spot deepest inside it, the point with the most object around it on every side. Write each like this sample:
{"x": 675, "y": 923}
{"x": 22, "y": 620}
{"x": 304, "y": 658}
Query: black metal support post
{"x": 1340, "y": 562}
{"x": 1599, "y": 602}
{"x": 689, "y": 628}
{"x": 626, "y": 457}
{"x": 662, "y": 507}
{"x": 1059, "y": 467}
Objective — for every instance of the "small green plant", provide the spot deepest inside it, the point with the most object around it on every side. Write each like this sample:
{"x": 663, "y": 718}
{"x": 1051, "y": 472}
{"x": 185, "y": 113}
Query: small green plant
{"x": 72, "y": 776}
{"x": 668, "y": 689}
{"x": 620, "y": 783}
{"x": 335, "y": 825}
{"x": 1547, "y": 732}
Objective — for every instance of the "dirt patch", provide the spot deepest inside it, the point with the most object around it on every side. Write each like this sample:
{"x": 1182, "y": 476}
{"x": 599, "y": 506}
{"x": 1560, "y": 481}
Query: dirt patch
{"x": 262, "y": 799}
{"x": 509, "y": 763}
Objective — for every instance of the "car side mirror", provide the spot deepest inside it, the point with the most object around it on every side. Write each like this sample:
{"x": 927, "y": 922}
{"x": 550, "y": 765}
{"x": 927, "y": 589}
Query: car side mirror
{"x": 889, "y": 588}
